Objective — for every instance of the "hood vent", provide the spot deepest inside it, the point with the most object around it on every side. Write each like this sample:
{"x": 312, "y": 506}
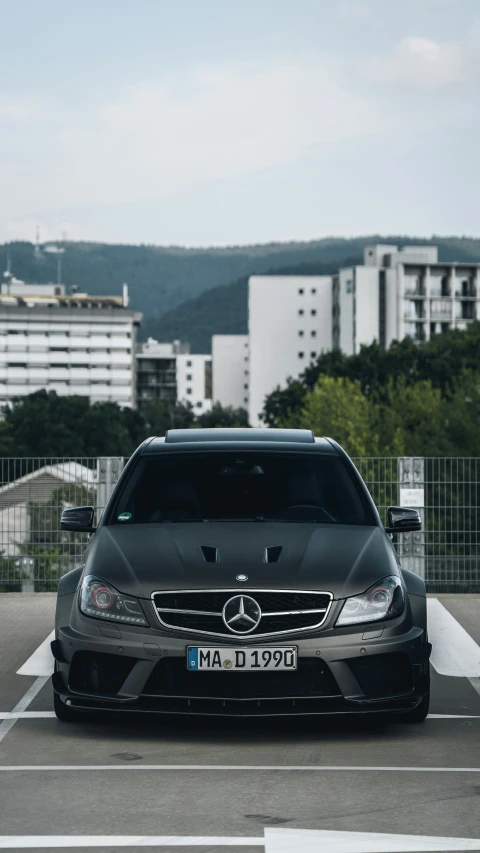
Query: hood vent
{"x": 210, "y": 554}
{"x": 272, "y": 554}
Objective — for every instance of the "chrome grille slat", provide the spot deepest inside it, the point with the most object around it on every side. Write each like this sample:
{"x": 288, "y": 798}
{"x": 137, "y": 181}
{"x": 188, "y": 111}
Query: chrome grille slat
{"x": 210, "y": 622}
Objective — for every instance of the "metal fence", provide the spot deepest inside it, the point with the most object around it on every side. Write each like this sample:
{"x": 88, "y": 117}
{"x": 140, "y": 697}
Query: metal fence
{"x": 34, "y": 552}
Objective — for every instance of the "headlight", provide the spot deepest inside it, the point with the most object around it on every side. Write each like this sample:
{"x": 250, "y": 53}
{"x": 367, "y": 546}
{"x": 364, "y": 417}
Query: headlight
{"x": 99, "y": 599}
{"x": 384, "y": 600}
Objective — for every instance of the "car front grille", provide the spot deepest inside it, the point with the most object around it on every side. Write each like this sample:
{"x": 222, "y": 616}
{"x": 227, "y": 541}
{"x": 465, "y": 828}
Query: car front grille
{"x": 170, "y": 677}
{"x": 282, "y": 611}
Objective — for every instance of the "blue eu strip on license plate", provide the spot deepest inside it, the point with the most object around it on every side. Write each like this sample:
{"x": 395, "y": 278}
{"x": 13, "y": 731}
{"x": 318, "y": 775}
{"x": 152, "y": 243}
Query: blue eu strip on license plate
{"x": 192, "y": 657}
{"x": 248, "y": 659}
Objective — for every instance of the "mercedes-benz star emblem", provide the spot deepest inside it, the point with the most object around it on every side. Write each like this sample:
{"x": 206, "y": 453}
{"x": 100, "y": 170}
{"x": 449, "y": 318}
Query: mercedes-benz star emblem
{"x": 241, "y": 614}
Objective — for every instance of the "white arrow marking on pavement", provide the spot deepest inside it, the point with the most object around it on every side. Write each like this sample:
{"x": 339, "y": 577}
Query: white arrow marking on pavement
{"x": 454, "y": 651}
{"x": 41, "y": 662}
{"x": 319, "y": 841}
{"x": 275, "y": 841}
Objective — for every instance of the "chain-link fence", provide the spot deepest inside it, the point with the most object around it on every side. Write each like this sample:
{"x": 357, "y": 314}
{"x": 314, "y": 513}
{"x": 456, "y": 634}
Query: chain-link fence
{"x": 34, "y": 552}
{"x": 446, "y": 491}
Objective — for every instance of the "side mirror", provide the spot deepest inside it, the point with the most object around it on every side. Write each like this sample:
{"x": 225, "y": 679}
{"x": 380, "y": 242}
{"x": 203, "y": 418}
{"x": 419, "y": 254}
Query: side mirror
{"x": 79, "y": 519}
{"x": 401, "y": 519}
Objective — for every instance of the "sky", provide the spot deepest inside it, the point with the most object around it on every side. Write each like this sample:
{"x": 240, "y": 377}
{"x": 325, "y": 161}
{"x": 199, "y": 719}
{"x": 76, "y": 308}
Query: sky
{"x": 222, "y": 122}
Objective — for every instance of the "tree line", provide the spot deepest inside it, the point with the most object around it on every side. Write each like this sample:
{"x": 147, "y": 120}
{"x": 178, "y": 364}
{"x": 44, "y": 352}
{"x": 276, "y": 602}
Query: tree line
{"x": 46, "y": 425}
{"x": 410, "y": 400}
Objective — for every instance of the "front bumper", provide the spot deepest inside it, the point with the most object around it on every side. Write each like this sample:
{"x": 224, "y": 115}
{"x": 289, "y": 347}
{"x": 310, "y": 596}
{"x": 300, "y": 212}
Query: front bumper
{"x": 377, "y": 669}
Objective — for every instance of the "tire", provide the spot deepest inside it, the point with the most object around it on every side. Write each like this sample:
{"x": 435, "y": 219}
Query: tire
{"x": 62, "y": 711}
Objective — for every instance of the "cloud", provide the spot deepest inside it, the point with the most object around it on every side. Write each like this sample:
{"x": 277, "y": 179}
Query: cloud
{"x": 211, "y": 124}
{"x": 420, "y": 63}
{"x": 13, "y": 108}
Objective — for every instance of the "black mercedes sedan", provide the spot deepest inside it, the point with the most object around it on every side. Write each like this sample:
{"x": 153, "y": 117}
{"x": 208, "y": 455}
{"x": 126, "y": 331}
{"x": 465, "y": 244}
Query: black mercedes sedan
{"x": 241, "y": 572}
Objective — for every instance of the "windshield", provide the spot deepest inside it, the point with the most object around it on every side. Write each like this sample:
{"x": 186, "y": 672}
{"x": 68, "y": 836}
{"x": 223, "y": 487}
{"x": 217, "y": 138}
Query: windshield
{"x": 241, "y": 486}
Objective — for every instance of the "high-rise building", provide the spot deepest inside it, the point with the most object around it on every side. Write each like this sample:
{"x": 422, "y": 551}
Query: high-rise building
{"x": 395, "y": 293}
{"x": 229, "y": 363}
{"x": 157, "y": 370}
{"x": 194, "y": 381}
{"x": 290, "y": 324}
{"x": 75, "y": 344}
{"x": 399, "y": 293}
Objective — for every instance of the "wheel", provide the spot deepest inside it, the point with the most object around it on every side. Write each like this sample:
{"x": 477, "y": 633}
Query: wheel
{"x": 62, "y": 711}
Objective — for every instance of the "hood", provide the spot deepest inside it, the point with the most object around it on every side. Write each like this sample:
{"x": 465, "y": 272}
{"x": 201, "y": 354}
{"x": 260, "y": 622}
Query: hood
{"x": 142, "y": 558}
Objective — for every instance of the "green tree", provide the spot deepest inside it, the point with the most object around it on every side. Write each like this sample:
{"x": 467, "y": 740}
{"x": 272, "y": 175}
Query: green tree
{"x": 337, "y": 408}
{"x": 218, "y": 416}
{"x": 160, "y": 415}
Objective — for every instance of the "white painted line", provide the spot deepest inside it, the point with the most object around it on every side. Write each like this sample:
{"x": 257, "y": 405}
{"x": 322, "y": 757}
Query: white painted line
{"x": 41, "y": 662}
{"x": 37, "y": 842}
{"x": 312, "y": 841}
{"x": 454, "y": 652}
{"x": 28, "y": 715}
{"x": 50, "y": 715}
{"x": 21, "y": 706}
{"x": 309, "y": 768}
{"x": 453, "y": 717}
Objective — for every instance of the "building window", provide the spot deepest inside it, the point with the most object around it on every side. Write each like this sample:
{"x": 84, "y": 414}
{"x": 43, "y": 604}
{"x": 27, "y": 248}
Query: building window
{"x": 300, "y": 333}
{"x": 189, "y": 363}
{"x": 301, "y": 291}
{"x": 349, "y": 285}
{"x": 313, "y": 333}
{"x": 300, "y": 311}
{"x": 245, "y": 399}
{"x": 189, "y": 377}
{"x": 246, "y": 387}
{"x": 313, "y": 312}
{"x": 189, "y": 390}
{"x": 301, "y": 354}
{"x": 313, "y": 354}
{"x": 199, "y": 405}
{"x": 313, "y": 291}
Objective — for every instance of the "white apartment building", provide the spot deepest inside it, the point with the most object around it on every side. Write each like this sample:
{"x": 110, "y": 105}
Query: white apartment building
{"x": 290, "y": 325}
{"x": 157, "y": 370}
{"x": 399, "y": 293}
{"x": 229, "y": 363}
{"x": 69, "y": 344}
{"x": 194, "y": 381}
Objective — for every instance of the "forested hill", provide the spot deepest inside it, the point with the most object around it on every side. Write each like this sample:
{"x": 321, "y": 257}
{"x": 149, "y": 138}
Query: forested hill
{"x": 222, "y": 310}
{"x": 162, "y": 278}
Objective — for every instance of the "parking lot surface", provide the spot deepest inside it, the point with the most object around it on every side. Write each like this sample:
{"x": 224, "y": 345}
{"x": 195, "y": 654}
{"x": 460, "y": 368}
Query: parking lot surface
{"x": 210, "y": 784}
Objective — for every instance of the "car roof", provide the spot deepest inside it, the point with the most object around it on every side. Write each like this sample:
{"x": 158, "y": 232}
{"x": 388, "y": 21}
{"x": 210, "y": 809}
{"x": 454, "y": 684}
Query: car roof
{"x": 245, "y": 439}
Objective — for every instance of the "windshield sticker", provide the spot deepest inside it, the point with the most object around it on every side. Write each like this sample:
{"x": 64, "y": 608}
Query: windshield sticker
{"x": 124, "y": 516}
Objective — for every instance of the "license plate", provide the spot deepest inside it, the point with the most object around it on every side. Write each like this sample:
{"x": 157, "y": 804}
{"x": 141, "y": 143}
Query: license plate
{"x": 202, "y": 658}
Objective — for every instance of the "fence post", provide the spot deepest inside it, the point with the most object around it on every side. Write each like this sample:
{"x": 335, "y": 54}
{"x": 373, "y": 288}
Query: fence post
{"x": 109, "y": 469}
{"x": 411, "y": 492}
{"x": 26, "y": 566}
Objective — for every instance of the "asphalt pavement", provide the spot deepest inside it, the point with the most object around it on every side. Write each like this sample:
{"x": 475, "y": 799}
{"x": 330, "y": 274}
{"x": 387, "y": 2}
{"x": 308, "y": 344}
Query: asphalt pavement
{"x": 217, "y": 785}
